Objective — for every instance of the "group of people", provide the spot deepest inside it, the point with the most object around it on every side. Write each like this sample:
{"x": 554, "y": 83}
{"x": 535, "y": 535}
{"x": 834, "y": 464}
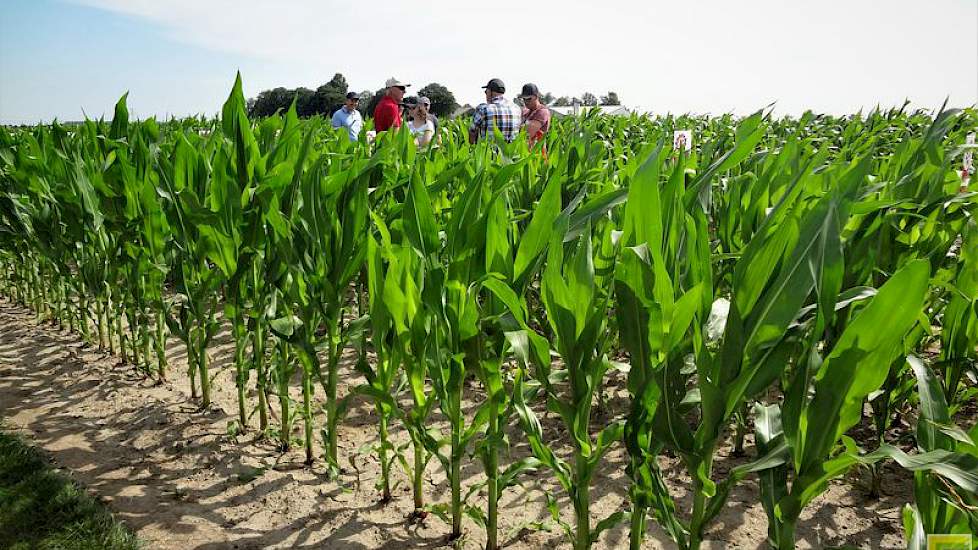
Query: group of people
{"x": 497, "y": 113}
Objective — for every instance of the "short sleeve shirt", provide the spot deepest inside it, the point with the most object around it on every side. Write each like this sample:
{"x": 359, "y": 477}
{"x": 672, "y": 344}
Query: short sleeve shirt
{"x": 499, "y": 113}
{"x": 352, "y": 121}
{"x": 387, "y": 114}
{"x": 541, "y": 115}
{"x": 428, "y": 126}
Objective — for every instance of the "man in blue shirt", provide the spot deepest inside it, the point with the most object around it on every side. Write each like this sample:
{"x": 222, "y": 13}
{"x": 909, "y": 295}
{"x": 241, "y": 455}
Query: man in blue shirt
{"x": 349, "y": 117}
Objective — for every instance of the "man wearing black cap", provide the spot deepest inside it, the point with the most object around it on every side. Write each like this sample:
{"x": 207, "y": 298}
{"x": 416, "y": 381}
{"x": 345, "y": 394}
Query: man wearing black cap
{"x": 536, "y": 115}
{"x": 349, "y": 117}
{"x": 496, "y": 113}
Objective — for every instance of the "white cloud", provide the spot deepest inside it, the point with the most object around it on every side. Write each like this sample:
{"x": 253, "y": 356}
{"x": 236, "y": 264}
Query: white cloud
{"x": 707, "y": 55}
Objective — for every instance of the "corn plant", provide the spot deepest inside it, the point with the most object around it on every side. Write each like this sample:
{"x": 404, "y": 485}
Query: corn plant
{"x": 400, "y": 335}
{"x": 576, "y": 302}
{"x": 504, "y": 331}
{"x": 945, "y": 469}
{"x": 194, "y": 213}
{"x": 959, "y": 324}
{"x": 332, "y": 238}
{"x": 827, "y": 396}
{"x": 661, "y": 275}
{"x": 451, "y": 269}
{"x": 393, "y": 298}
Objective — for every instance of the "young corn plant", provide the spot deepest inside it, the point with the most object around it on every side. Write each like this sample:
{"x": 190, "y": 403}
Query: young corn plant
{"x": 451, "y": 269}
{"x": 959, "y": 324}
{"x": 203, "y": 185}
{"x": 400, "y": 331}
{"x": 577, "y": 303}
{"x": 504, "y": 331}
{"x": 793, "y": 252}
{"x": 331, "y": 239}
{"x": 463, "y": 338}
{"x": 663, "y": 286}
{"x": 269, "y": 247}
{"x": 325, "y": 220}
{"x": 945, "y": 468}
{"x": 826, "y": 398}
{"x": 392, "y": 294}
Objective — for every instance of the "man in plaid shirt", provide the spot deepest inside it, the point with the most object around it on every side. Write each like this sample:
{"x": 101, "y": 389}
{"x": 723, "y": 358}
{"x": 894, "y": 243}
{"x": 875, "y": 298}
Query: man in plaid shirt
{"x": 496, "y": 112}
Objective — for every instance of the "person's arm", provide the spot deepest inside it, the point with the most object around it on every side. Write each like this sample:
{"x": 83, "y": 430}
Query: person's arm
{"x": 478, "y": 121}
{"x": 535, "y": 125}
{"x": 357, "y": 124}
{"x": 336, "y": 120}
{"x": 429, "y": 132}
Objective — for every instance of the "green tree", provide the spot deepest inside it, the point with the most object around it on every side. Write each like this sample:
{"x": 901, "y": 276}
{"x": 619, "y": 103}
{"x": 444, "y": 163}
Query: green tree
{"x": 589, "y": 99}
{"x": 270, "y": 101}
{"x": 610, "y": 99}
{"x": 366, "y": 99}
{"x": 562, "y": 101}
{"x": 442, "y": 100}
{"x": 329, "y": 97}
{"x": 547, "y": 98}
{"x": 374, "y": 100}
{"x": 305, "y": 102}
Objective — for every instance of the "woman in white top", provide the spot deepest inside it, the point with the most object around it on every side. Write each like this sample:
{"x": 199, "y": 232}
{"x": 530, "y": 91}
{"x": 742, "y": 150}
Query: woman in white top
{"x": 421, "y": 127}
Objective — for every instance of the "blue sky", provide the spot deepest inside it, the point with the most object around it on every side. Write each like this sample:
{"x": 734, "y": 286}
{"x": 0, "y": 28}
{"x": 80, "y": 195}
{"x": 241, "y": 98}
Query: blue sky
{"x": 60, "y": 58}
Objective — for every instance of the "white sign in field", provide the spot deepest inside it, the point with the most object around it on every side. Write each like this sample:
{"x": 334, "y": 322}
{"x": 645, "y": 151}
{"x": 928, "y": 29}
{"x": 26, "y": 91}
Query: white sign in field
{"x": 682, "y": 139}
{"x": 968, "y": 161}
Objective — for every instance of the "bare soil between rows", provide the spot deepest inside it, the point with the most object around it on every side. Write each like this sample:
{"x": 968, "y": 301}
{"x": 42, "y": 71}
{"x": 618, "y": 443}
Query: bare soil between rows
{"x": 175, "y": 477}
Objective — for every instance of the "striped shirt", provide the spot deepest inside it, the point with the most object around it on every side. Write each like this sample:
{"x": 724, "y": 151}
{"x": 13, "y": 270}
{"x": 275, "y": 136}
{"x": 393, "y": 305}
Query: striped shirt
{"x": 498, "y": 113}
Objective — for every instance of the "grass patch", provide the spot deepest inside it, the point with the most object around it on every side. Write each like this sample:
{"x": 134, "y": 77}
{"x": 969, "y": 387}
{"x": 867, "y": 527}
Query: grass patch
{"x": 45, "y": 510}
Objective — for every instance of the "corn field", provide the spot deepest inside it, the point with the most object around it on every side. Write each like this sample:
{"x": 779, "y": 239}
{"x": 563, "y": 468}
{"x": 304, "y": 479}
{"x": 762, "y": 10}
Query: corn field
{"x": 803, "y": 292}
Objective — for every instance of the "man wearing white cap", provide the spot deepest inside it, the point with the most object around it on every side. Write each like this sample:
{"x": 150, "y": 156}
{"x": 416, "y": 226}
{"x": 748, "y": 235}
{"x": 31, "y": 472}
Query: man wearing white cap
{"x": 387, "y": 114}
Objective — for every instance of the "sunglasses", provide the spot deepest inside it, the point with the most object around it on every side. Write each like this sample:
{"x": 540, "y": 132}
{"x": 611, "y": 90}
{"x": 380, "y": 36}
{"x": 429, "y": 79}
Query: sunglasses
{"x": 401, "y": 88}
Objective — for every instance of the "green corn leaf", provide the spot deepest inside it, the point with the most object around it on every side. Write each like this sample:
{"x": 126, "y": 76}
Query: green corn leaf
{"x": 860, "y": 360}
{"x": 537, "y": 235}
{"x": 419, "y": 219}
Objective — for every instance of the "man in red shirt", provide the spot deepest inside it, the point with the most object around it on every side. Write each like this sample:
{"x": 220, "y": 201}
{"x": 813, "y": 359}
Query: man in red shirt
{"x": 387, "y": 114}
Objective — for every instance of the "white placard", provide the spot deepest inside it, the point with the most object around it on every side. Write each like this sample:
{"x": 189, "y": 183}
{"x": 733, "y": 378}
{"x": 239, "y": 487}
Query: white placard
{"x": 682, "y": 139}
{"x": 968, "y": 164}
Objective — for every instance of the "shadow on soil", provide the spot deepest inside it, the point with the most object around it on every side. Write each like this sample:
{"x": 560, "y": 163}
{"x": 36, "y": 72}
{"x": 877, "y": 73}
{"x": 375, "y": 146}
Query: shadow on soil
{"x": 171, "y": 471}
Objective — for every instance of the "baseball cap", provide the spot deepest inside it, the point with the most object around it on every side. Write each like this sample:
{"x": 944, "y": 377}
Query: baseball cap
{"x": 352, "y": 95}
{"x": 495, "y": 85}
{"x": 391, "y": 82}
{"x": 530, "y": 90}
{"x": 414, "y": 101}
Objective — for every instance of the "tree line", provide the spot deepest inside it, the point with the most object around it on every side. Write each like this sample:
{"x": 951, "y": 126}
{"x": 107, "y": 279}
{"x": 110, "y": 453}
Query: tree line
{"x": 587, "y": 99}
{"x": 329, "y": 97}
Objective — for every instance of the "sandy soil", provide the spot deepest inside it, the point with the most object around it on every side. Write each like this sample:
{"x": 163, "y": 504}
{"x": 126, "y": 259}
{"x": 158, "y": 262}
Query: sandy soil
{"x": 174, "y": 476}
